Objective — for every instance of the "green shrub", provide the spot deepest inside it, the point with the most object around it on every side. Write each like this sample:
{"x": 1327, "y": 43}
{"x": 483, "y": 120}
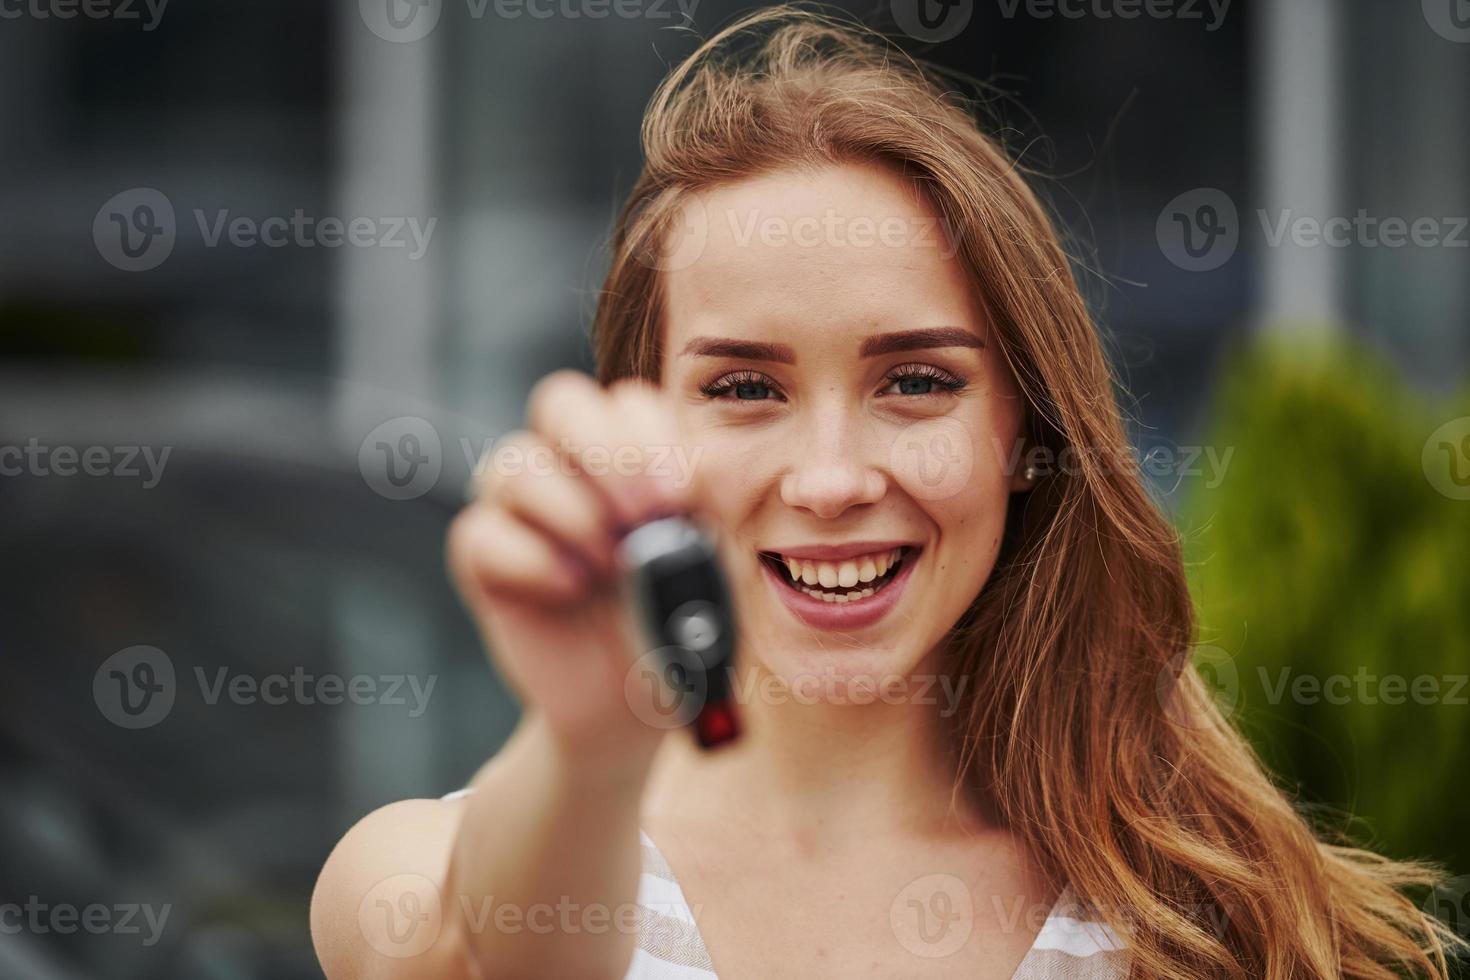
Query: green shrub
{"x": 1326, "y": 550}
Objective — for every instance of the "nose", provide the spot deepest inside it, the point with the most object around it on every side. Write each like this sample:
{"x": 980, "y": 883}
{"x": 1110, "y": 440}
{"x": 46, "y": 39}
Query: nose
{"x": 831, "y": 472}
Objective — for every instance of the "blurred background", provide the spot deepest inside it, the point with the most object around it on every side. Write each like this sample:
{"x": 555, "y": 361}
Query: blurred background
{"x": 273, "y": 275}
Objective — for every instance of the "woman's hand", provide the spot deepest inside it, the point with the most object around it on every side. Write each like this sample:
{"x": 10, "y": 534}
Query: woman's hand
{"x": 534, "y": 556}
{"x": 554, "y": 816}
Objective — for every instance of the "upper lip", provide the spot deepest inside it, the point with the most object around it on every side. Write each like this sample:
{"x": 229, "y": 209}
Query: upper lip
{"x": 837, "y": 552}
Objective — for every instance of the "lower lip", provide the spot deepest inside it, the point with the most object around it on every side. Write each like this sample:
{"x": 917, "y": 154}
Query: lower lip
{"x": 856, "y": 615}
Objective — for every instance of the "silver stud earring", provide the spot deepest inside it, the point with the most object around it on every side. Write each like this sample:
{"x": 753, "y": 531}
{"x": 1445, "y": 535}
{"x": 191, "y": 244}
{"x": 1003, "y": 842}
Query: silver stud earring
{"x": 1030, "y": 474}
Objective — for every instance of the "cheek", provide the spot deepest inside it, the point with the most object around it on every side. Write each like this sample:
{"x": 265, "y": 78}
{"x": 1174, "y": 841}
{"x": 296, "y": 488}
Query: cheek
{"x": 933, "y": 460}
{"x": 949, "y": 462}
{"x": 959, "y": 472}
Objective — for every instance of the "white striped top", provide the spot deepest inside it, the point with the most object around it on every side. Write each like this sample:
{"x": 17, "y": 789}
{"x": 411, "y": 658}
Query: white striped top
{"x": 1072, "y": 944}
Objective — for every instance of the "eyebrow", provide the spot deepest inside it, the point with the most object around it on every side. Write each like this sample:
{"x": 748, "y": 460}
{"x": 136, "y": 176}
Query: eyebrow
{"x": 874, "y": 346}
{"x": 890, "y": 343}
{"x": 749, "y": 350}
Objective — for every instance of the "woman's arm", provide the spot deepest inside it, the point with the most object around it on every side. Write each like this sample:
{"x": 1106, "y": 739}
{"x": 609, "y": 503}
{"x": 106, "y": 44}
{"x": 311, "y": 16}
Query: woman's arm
{"x": 535, "y": 873}
{"x": 532, "y": 874}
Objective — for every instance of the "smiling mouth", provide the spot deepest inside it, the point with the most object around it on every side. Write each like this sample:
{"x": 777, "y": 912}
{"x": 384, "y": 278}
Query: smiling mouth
{"x": 850, "y": 580}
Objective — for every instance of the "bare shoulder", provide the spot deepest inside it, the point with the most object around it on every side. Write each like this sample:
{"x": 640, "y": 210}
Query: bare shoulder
{"x": 376, "y": 911}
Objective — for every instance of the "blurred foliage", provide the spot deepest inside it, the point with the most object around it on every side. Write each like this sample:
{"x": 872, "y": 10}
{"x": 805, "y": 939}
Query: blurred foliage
{"x": 1326, "y": 551}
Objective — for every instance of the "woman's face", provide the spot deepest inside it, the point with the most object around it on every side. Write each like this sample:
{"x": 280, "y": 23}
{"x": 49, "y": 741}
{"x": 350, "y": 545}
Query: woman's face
{"x": 835, "y": 376}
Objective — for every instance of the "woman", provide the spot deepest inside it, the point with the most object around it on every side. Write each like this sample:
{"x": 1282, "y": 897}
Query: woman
{"x": 971, "y": 748}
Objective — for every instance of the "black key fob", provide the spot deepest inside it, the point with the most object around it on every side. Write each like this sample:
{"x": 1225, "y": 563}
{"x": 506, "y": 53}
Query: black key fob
{"x": 684, "y": 610}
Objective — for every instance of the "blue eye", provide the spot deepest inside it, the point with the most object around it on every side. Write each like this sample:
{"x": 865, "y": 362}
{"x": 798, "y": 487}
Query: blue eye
{"x": 914, "y": 385}
{"x": 919, "y": 380}
{"x": 744, "y": 386}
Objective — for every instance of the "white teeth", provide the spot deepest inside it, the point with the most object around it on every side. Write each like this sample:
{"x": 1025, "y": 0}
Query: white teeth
{"x": 845, "y": 575}
{"x": 839, "y": 596}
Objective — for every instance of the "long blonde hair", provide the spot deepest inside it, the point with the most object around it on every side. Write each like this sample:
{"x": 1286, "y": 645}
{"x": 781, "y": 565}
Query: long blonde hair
{"x": 1137, "y": 793}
